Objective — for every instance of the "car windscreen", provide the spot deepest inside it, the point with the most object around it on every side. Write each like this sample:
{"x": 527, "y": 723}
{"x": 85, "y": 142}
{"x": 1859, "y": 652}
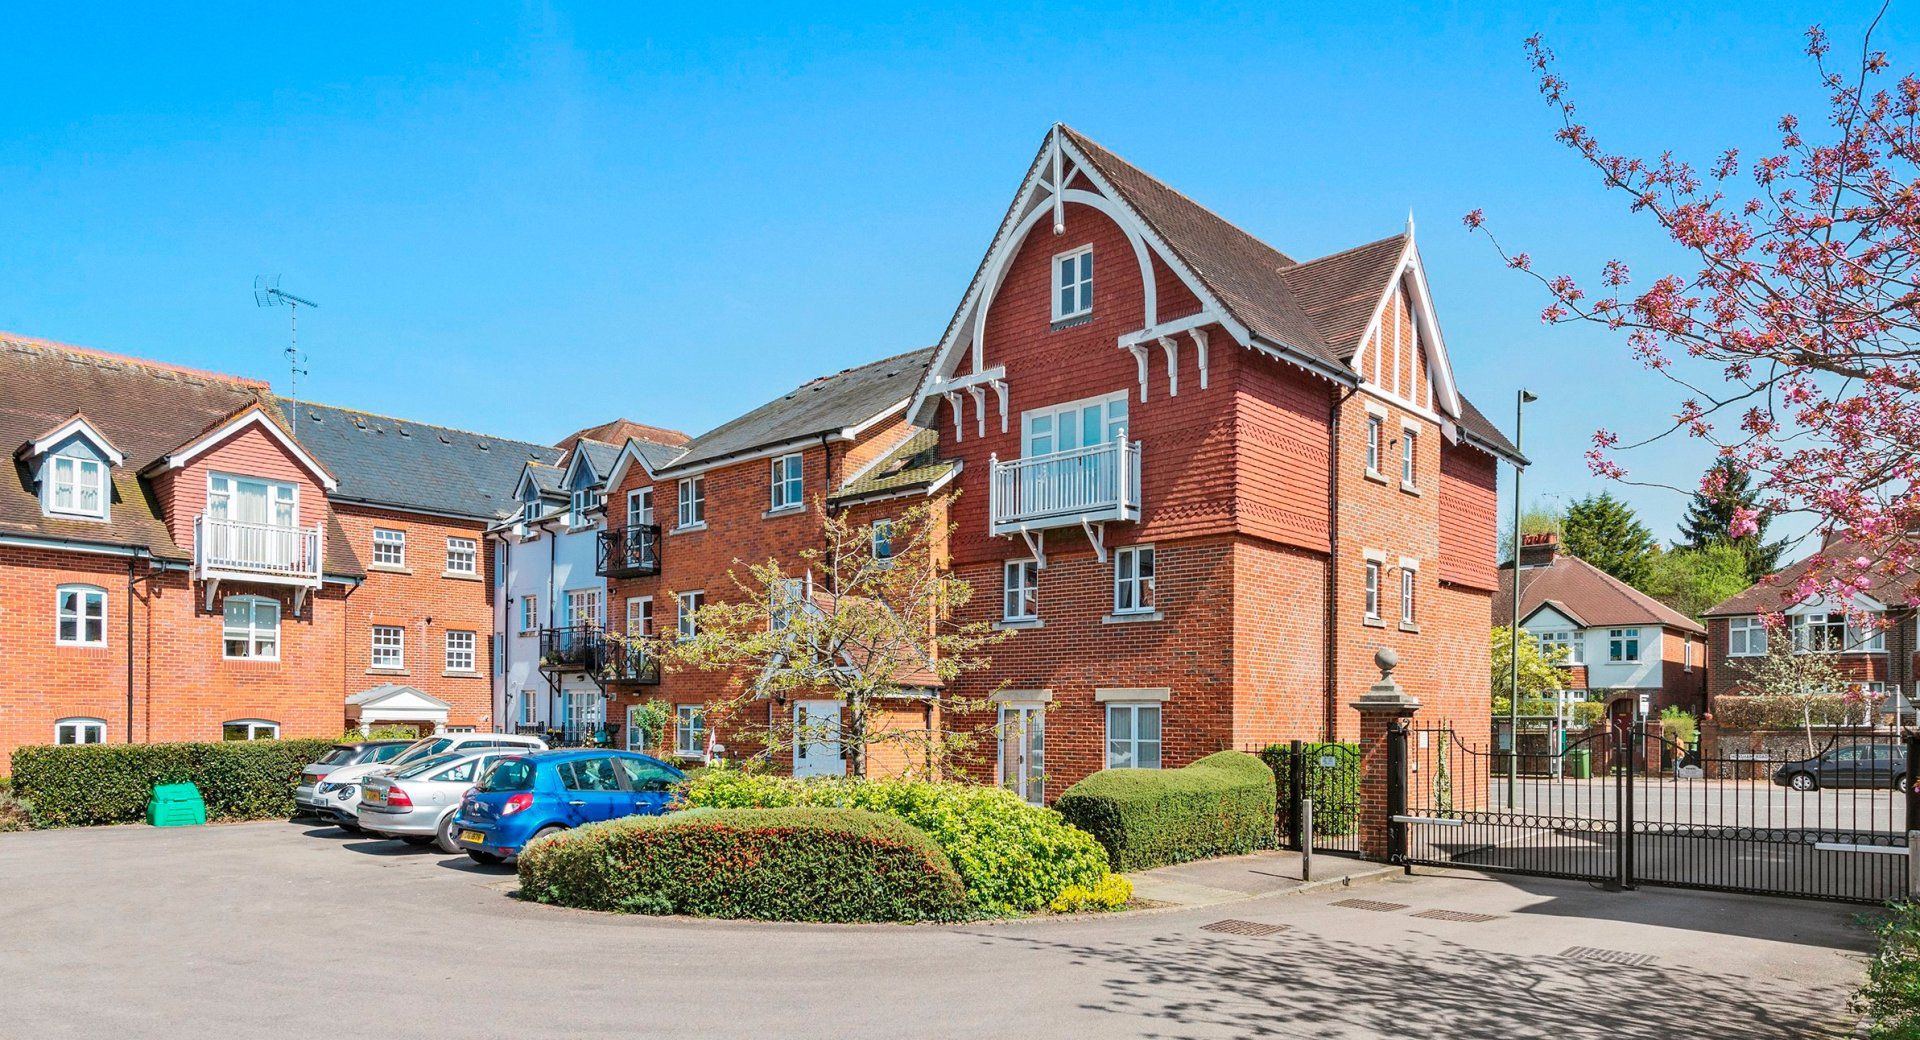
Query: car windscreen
{"x": 338, "y": 756}
{"x": 427, "y": 765}
{"x": 423, "y": 748}
{"x": 512, "y": 774}
{"x": 386, "y": 752}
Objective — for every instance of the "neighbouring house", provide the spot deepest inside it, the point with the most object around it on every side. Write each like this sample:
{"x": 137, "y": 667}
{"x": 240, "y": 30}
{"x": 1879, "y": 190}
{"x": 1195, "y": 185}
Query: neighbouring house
{"x": 1875, "y": 648}
{"x": 552, "y": 602}
{"x": 1205, "y": 480}
{"x": 184, "y": 556}
{"x": 1618, "y": 640}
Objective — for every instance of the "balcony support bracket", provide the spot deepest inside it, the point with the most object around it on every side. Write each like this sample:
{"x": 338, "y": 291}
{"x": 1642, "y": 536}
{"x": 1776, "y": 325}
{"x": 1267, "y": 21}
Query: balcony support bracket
{"x": 1139, "y": 351}
{"x": 212, "y": 587}
{"x": 1097, "y": 537}
{"x": 299, "y": 599}
{"x": 1037, "y": 545}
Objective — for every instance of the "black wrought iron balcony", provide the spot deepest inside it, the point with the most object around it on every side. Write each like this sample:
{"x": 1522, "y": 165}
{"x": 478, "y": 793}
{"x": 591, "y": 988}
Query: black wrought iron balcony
{"x": 623, "y": 662}
{"x": 575, "y": 648}
{"x": 632, "y": 551}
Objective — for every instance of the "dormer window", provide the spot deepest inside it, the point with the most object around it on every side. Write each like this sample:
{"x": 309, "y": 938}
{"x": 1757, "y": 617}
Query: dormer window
{"x": 583, "y": 500}
{"x": 1073, "y": 284}
{"x": 530, "y": 509}
{"x": 77, "y": 487}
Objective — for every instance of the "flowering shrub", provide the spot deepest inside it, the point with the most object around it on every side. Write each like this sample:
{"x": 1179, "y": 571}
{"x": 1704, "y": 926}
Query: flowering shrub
{"x": 1111, "y": 894}
{"x": 1015, "y": 858}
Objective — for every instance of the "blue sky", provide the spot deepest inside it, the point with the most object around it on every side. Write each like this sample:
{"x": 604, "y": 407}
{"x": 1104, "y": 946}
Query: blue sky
{"x": 525, "y": 220}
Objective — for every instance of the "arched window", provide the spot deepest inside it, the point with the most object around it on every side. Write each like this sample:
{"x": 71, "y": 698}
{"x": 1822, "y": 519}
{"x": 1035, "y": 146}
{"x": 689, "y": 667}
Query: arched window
{"x": 80, "y": 731}
{"x": 249, "y": 729}
{"x": 82, "y": 615}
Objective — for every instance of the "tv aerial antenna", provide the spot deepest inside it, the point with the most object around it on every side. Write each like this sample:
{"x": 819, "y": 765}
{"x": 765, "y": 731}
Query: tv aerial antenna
{"x": 267, "y": 293}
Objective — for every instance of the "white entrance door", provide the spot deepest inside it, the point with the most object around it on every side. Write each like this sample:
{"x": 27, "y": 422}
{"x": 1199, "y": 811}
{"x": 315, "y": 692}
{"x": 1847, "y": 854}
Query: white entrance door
{"x": 582, "y": 713}
{"x": 1023, "y": 751}
{"x": 816, "y": 739}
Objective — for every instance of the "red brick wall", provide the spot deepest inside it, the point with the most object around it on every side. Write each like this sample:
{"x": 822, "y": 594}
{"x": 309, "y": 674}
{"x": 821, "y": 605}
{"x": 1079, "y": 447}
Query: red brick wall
{"x": 1680, "y": 685}
{"x": 249, "y": 453}
{"x": 1468, "y": 517}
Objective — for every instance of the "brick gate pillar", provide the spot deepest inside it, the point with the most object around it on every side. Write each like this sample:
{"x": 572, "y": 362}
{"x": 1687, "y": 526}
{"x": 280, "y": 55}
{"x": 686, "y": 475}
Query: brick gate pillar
{"x": 1384, "y": 709}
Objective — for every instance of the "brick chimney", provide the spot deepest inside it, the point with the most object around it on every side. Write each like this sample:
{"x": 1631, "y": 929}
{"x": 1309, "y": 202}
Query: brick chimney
{"x": 1538, "y": 550}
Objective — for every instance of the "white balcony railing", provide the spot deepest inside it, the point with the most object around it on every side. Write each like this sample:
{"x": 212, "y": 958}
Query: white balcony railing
{"x": 235, "y": 548}
{"x": 1099, "y": 482}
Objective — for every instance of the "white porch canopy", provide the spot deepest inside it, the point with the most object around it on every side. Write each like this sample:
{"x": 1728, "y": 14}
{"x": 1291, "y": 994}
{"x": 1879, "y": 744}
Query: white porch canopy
{"x": 391, "y": 702}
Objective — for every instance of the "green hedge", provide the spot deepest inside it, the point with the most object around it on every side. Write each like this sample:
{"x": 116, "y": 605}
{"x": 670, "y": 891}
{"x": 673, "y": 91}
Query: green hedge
{"x": 1014, "y": 858}
{"x": 1219, "y": 806}
{"x": 1737, "y": 712}
{"x": 1335, "y": 789}
{"x": 792, "y": 864}
{"x": 81, "y": 784}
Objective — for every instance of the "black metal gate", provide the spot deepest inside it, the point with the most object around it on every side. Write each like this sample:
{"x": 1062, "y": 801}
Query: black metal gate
{"x": 1328, "y": 775}
{"x": 1819, "y": 819}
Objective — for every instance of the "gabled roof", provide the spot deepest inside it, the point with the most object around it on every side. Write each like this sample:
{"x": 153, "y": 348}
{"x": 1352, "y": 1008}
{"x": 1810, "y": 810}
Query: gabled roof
{"x": 1772, "y": 594}
{"x": 1586, "y": 594}
{"x": 260, "y": 414}
{"x": 380, "y": 460}
{"x": 619, "y": 431}
{"x": 915, "y": 465}
{"x": 830, "y": 405}
{"x": 79, "y": 424}
{"x": 1341, "y": 291}
{"x": 546, "y": 478}
{"x": 597, "y": 455}
{"x": 392, "y": 691}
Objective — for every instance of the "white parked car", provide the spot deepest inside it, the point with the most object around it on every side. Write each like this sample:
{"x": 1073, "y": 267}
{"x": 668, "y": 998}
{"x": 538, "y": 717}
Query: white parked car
{"x": 416, "y": 802}
{"x": 337, "y": 797}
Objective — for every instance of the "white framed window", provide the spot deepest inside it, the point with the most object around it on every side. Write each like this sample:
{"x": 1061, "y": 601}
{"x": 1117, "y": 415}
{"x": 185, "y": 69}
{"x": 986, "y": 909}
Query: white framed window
{"x": 1409, "y": 458}
{"x": 1746, "y": 637}
{"x": 250, "y": 729}
{"x": 1074, "y": 424}
{"x": 1408, "y": 581}
{"x": 250, "y": 628}
{"x": 786, "y": 599}
{"x": 689, "y": 730}
{"x": 80, "y": 731}
{"x": 1829, "y": 633}
{"x": 640, "y": 507}
{"x": 1133, "y": 580}
{"x": 687, "y": 606}
{"x": 883, "y": 540}
{"x": 463, "y": 556}
{"x": 529, "y": 613}
{"x": 389, "y": 646}
{"x": 693, "y": 501}
{"x": 1623, "y": 645}
{"x": 251, "y": 500}
{"x": 1021, "y": 601}
{"x": 1376, "y": 424}
{"x": 1562, "y": 640}
{"x": 1372, "y": 587}
{"x": 788, "y": 486}
{"x": 82, "y": 615}
{"x": 583, "y": 608}
{"x": 500, "y": 565}
{"x": 389, "y": 548}
{"x": 1023, "y": 750}
{"x": 1686, "y": 653}
{"x": 582, "y": 500}
{"x": 640, "y": 615}
{"x": 530, "y": 509}
{"x": 1073, "y": 284}
{"x": 77, "y": 487}
{"x": 460, "y": 650}
{"x": 1133, "y": 736}
{"x": 526, "y": 708}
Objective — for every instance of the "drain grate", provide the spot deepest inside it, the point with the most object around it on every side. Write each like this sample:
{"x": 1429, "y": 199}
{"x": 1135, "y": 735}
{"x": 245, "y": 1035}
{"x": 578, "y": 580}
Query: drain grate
{"x": 1461, "y": 916}
{"x": 1371, "y": 904}
{"x": 1595, "y": 953}
{"x": 1231, "y": 927}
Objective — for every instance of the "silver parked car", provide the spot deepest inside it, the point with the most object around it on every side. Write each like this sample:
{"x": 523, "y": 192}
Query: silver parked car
{"x": 416, "y": 802}
{"x": 340, "y": 756}
{"x": 338, "y": 796}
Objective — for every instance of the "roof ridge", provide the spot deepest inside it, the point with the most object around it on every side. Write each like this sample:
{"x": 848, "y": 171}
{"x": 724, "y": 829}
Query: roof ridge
{"x": 854, "y": 368}
{"x": 17, "y": 340}
{"x": 411, "y": 422}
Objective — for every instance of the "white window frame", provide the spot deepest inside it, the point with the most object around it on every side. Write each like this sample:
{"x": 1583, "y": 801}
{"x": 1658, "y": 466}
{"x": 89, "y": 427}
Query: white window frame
{"x": 463, "y": 548}
{"x": 388, "y": 542}
{"x": 593, "y": 599}
{"x": 1553, "y": 639}
{"x": 1409, "y": 586}
{"x": 641, "y": 608}
{"x": 526, "y": 709}
{"x": 529, "y": 613}
{"x": 882, "y": 535}
{"x": 456, "y": 654}
{"x": 1409, "y": 458}
{"x": 1370, "y": 588}
{"x": 686, "y": 606}
{"x": 274, "y": 500}
{"x": 1134, "y": 710}
{"x": 1076, "y": 280}
{"x": 1023, "y": 726}
{"x": 1376, "y": 432}
{"x": 689, "y": 730}
{"x": 1686, "y": 653}
{"x": 387, "y": 642}
{"x": 1112, "y": 425}
{"x": 640, "y": 506}
{"x": 530, "y": 509}
{"x": 82, "y": 727}
{"x": 1618, "y": 642}
{"x": 691, "y": 502}
{"x": 1746, "y": 637}
{"x": 1133, "y": 592}
{"x": 82, "y": 474}
{"x": 789, "y": 486}
{"x": 257, "y": 729}
{"x": 85, "y": 597}
{"x": 1020, "y": 586}
{"x": 253, "y": 632}
{"x": 578, "y": 503}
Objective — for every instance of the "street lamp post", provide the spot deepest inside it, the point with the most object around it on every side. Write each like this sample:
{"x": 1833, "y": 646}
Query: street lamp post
{"x": 1521, "y": 400}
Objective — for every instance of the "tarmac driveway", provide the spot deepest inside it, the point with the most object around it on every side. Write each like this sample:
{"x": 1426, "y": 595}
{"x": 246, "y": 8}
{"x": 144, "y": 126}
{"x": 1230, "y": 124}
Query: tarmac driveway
{"x": 274, "y": 929}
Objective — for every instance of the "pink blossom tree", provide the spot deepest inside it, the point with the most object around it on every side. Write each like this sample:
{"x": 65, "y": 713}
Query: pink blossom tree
{"x": 1799, "y": 323}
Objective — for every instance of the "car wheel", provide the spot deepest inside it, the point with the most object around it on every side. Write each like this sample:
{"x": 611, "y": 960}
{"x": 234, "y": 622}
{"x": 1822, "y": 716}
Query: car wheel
{"x": 444, "y": 839}
{"x": 544, "y": 832}
{"x": 485, "y": 859}
{"x": 1803, "y": 782}
{"x": 1899, "y": 781}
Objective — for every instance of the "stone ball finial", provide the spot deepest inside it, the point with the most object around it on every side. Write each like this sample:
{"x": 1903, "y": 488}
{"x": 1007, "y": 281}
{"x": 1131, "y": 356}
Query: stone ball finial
{"x": 1387, "y": 660}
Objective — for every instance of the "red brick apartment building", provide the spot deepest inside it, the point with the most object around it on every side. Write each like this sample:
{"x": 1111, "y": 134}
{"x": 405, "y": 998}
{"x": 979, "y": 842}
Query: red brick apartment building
{"x": 184, "y": 556}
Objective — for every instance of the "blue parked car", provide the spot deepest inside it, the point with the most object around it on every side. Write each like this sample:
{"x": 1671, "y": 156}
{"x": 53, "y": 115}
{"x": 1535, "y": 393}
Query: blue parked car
{"x": 528, "y": 796}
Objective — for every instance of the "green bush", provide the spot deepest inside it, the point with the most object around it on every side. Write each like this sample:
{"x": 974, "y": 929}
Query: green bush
{"x": 1112, "y": 894}
{"x": 789, "y": 864}
{"x": 1335, "y": 789}
{"x": 1015, "y": 858}
{"x": 1219, "y": 806}
{"x": 1740, "y": 712}
{"x": 81, "y": 784}
{"x": 1580, "y": 714}
{"x": 15, "y": 813}
{"x": 1678, "y": 725}
{"x": 1890, "y": 998}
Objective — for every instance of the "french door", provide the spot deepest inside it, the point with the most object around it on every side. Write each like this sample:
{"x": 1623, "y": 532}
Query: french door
{"x": 1023, "y": 751}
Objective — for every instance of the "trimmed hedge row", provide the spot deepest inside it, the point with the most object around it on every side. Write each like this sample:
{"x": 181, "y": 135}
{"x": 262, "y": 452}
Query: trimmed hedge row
{"x": 81, "y": 784}
{"x": 792, "y": 864}
{"x": 1738, "y": 712}
{"x": 1221, "y": 805}
{"x": 1335, "y": 789}
{"x": 1015, "y": 858}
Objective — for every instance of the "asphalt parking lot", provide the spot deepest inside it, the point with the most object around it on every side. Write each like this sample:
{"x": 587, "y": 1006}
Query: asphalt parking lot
{"x": 278, "y": 929}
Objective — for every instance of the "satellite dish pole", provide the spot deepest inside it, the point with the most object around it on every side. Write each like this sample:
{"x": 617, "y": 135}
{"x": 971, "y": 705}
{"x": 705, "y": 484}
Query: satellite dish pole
{"x": 269, "y": 294}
